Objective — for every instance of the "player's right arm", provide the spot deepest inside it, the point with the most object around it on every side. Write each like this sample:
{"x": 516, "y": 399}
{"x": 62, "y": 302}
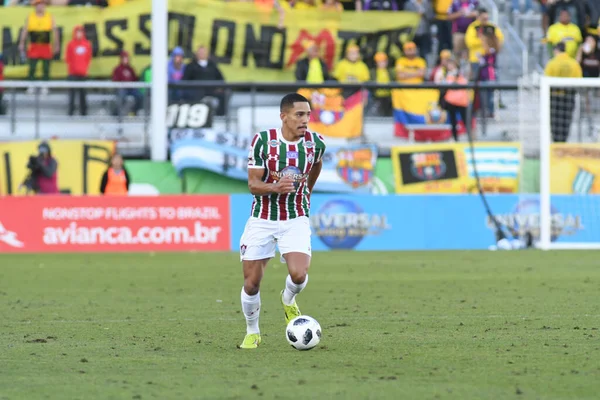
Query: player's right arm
{"x": 259, "y": 188}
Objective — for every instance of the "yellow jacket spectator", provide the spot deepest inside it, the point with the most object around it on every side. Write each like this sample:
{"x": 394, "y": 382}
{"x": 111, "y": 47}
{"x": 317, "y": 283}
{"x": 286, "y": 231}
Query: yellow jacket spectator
{"x": 410, "y": 68}
{"x": 381, "y": 74}
{"x": 476, "y": 31}
{"x": 562, "y": 65}
{"x": 351, "y": 69}
{"x": 562, "y": 100}
{"x": 565, "y": 32}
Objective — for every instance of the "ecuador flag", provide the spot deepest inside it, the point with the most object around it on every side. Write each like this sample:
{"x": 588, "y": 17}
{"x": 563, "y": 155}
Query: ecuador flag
{"x": 418, "y": 110}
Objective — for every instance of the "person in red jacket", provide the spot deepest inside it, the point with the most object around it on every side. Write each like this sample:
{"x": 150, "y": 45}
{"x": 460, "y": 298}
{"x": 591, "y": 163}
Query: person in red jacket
{"x": 78, "y": 58}
{"x": 125, "y": 73}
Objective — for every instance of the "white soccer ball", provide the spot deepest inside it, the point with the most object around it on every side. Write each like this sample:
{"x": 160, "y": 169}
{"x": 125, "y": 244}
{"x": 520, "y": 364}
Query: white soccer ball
{"x": 303, "y": 332}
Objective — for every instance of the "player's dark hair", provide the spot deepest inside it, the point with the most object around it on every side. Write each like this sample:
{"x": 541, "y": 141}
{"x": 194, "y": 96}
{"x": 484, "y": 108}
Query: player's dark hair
{"x": 560, "y": 47}
{"x": 288, "y": 101}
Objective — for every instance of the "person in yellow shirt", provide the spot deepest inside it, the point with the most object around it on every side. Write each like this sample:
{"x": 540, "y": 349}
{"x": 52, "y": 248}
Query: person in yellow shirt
{"x": 562, "y": 101}
{"x": 565, "y": 32}
{"x": 351, "y": 69}
{"x": 41, "y": 30}
{"x": 480, "y": 28}
{"x": 410, "y": 68}
{"x": 382, "y": 102}
{"x": 312, "y": 69}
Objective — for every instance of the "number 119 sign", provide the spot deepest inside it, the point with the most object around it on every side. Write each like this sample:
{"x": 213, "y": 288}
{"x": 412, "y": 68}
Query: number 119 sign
{"x": 192, "y": 116}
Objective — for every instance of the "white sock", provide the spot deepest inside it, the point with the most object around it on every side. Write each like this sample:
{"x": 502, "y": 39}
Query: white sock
{"x": 251, "y": 309}
{"x": 291, "y": 290}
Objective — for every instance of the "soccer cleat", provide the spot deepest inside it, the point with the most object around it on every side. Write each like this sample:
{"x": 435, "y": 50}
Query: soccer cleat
{"x": 251, "y": 341}
{"x": 291, "y": 312}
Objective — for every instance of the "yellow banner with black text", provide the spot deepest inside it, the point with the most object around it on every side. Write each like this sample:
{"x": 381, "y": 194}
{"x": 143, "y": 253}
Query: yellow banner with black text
{"x": 81, "y": 165}
{"x": 455, "y": 167}
{"x": 244, "y": 40}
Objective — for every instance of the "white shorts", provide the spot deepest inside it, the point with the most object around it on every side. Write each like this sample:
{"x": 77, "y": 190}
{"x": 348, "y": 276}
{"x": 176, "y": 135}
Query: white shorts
{"x": 261, "y": 237}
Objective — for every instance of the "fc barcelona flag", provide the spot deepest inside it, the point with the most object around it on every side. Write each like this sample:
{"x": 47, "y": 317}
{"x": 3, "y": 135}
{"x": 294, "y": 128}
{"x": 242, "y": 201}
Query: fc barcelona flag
{"x": 416, "y": 109}
{"x": 335, "y": 113}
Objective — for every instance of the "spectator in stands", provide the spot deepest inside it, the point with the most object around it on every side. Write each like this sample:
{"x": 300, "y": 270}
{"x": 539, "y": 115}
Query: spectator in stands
{"x": 175, "y": 70}
{"x": 462, "y": 13}
{"x": 454, "y": 101}
{"x": 78, "y": 58}
{"x": 579, "y": 11}
{"x": 204, "y": 69}
{"x": 332, "y": 5}
{"x": 480, "y": 28}
{"x": 146, "y": 76}
{"x": 2, "y": 110}
{"x": 439, "y": 71}
{"x": 422, "y": 36}
{"x": 124, "y": 72}
{"x": 44, "y": 177}
{"x": 382, "y": 74}
{"x": 565, "y": 32}
{"x": 351, "y": 69}
{"x": 115, "y": 181}
{"x": 410, "y": 68}
{"x": 516, "y": 7}
{"x": 486, "y": 71}
{"x": 562, "y": 100}
{"x": 443, "y": 25}
{"x": 312, "y": 69}
{"x": 588, "y": 56}
{"x": 379, "y": 5}
{"x": 41, "y": 30}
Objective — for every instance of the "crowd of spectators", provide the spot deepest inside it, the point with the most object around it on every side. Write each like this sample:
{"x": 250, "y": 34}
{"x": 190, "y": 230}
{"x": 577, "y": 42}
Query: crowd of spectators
{"x": 465, "y": 37}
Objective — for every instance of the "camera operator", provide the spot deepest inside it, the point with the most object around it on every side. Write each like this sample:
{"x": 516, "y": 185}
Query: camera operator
{"x": 43, "y": 167}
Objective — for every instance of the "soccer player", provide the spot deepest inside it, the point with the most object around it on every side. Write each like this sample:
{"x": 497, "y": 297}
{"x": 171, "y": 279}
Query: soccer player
{"x": 283, "y": 167}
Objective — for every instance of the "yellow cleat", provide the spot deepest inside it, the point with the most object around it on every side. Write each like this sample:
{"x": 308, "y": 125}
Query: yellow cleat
{"x": 291, "y": 312}
{"x": 251, "y": 341}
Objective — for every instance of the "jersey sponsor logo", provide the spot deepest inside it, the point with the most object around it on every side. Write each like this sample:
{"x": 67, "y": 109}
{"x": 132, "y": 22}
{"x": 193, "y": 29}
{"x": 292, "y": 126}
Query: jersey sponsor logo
{"x": 295, "y": 176}
{"x": 309, "y": 145}
{"x": 273, "y": 143}
{"x": 292, "y": 155}
{"x": 273, "y": 157}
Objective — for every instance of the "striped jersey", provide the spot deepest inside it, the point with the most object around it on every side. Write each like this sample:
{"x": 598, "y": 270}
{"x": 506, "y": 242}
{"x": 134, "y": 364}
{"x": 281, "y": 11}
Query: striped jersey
{"x": 269, "y": 150}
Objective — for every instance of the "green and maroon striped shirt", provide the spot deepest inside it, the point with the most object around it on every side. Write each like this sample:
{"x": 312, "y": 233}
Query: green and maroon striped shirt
{"x": 271, "y": 152}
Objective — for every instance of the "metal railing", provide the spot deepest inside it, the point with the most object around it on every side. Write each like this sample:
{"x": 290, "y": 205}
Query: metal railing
{"x": 38, "y": 116}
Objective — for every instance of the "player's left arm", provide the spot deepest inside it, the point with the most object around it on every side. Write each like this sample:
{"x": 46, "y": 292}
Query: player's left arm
{"x": 314, "y": 173}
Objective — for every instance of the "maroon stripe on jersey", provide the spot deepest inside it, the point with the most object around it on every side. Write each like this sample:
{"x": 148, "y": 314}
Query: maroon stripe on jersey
{"x": 310, "y": 155}
{"x": 255, "y": 139}
{"x": 271, "y": 166}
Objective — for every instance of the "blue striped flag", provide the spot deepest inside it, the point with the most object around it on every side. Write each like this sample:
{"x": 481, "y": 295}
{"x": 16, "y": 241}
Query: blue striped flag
{"x": 494, "y": 162}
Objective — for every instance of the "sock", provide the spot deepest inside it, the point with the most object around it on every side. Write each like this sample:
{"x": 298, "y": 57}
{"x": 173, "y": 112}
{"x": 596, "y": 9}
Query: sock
{"x": 291, "y": 290}
{"x": 251, "y": 309}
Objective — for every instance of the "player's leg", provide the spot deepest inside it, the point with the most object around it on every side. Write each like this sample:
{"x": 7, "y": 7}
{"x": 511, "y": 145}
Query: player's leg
{"x": 294, "y": 245}
{"x": 257, "y": 246}
{"x": 250, "y": 298}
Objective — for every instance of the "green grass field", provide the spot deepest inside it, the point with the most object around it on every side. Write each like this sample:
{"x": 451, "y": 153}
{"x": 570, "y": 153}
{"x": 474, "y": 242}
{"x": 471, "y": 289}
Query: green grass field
{"x": 435, "y": 325}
